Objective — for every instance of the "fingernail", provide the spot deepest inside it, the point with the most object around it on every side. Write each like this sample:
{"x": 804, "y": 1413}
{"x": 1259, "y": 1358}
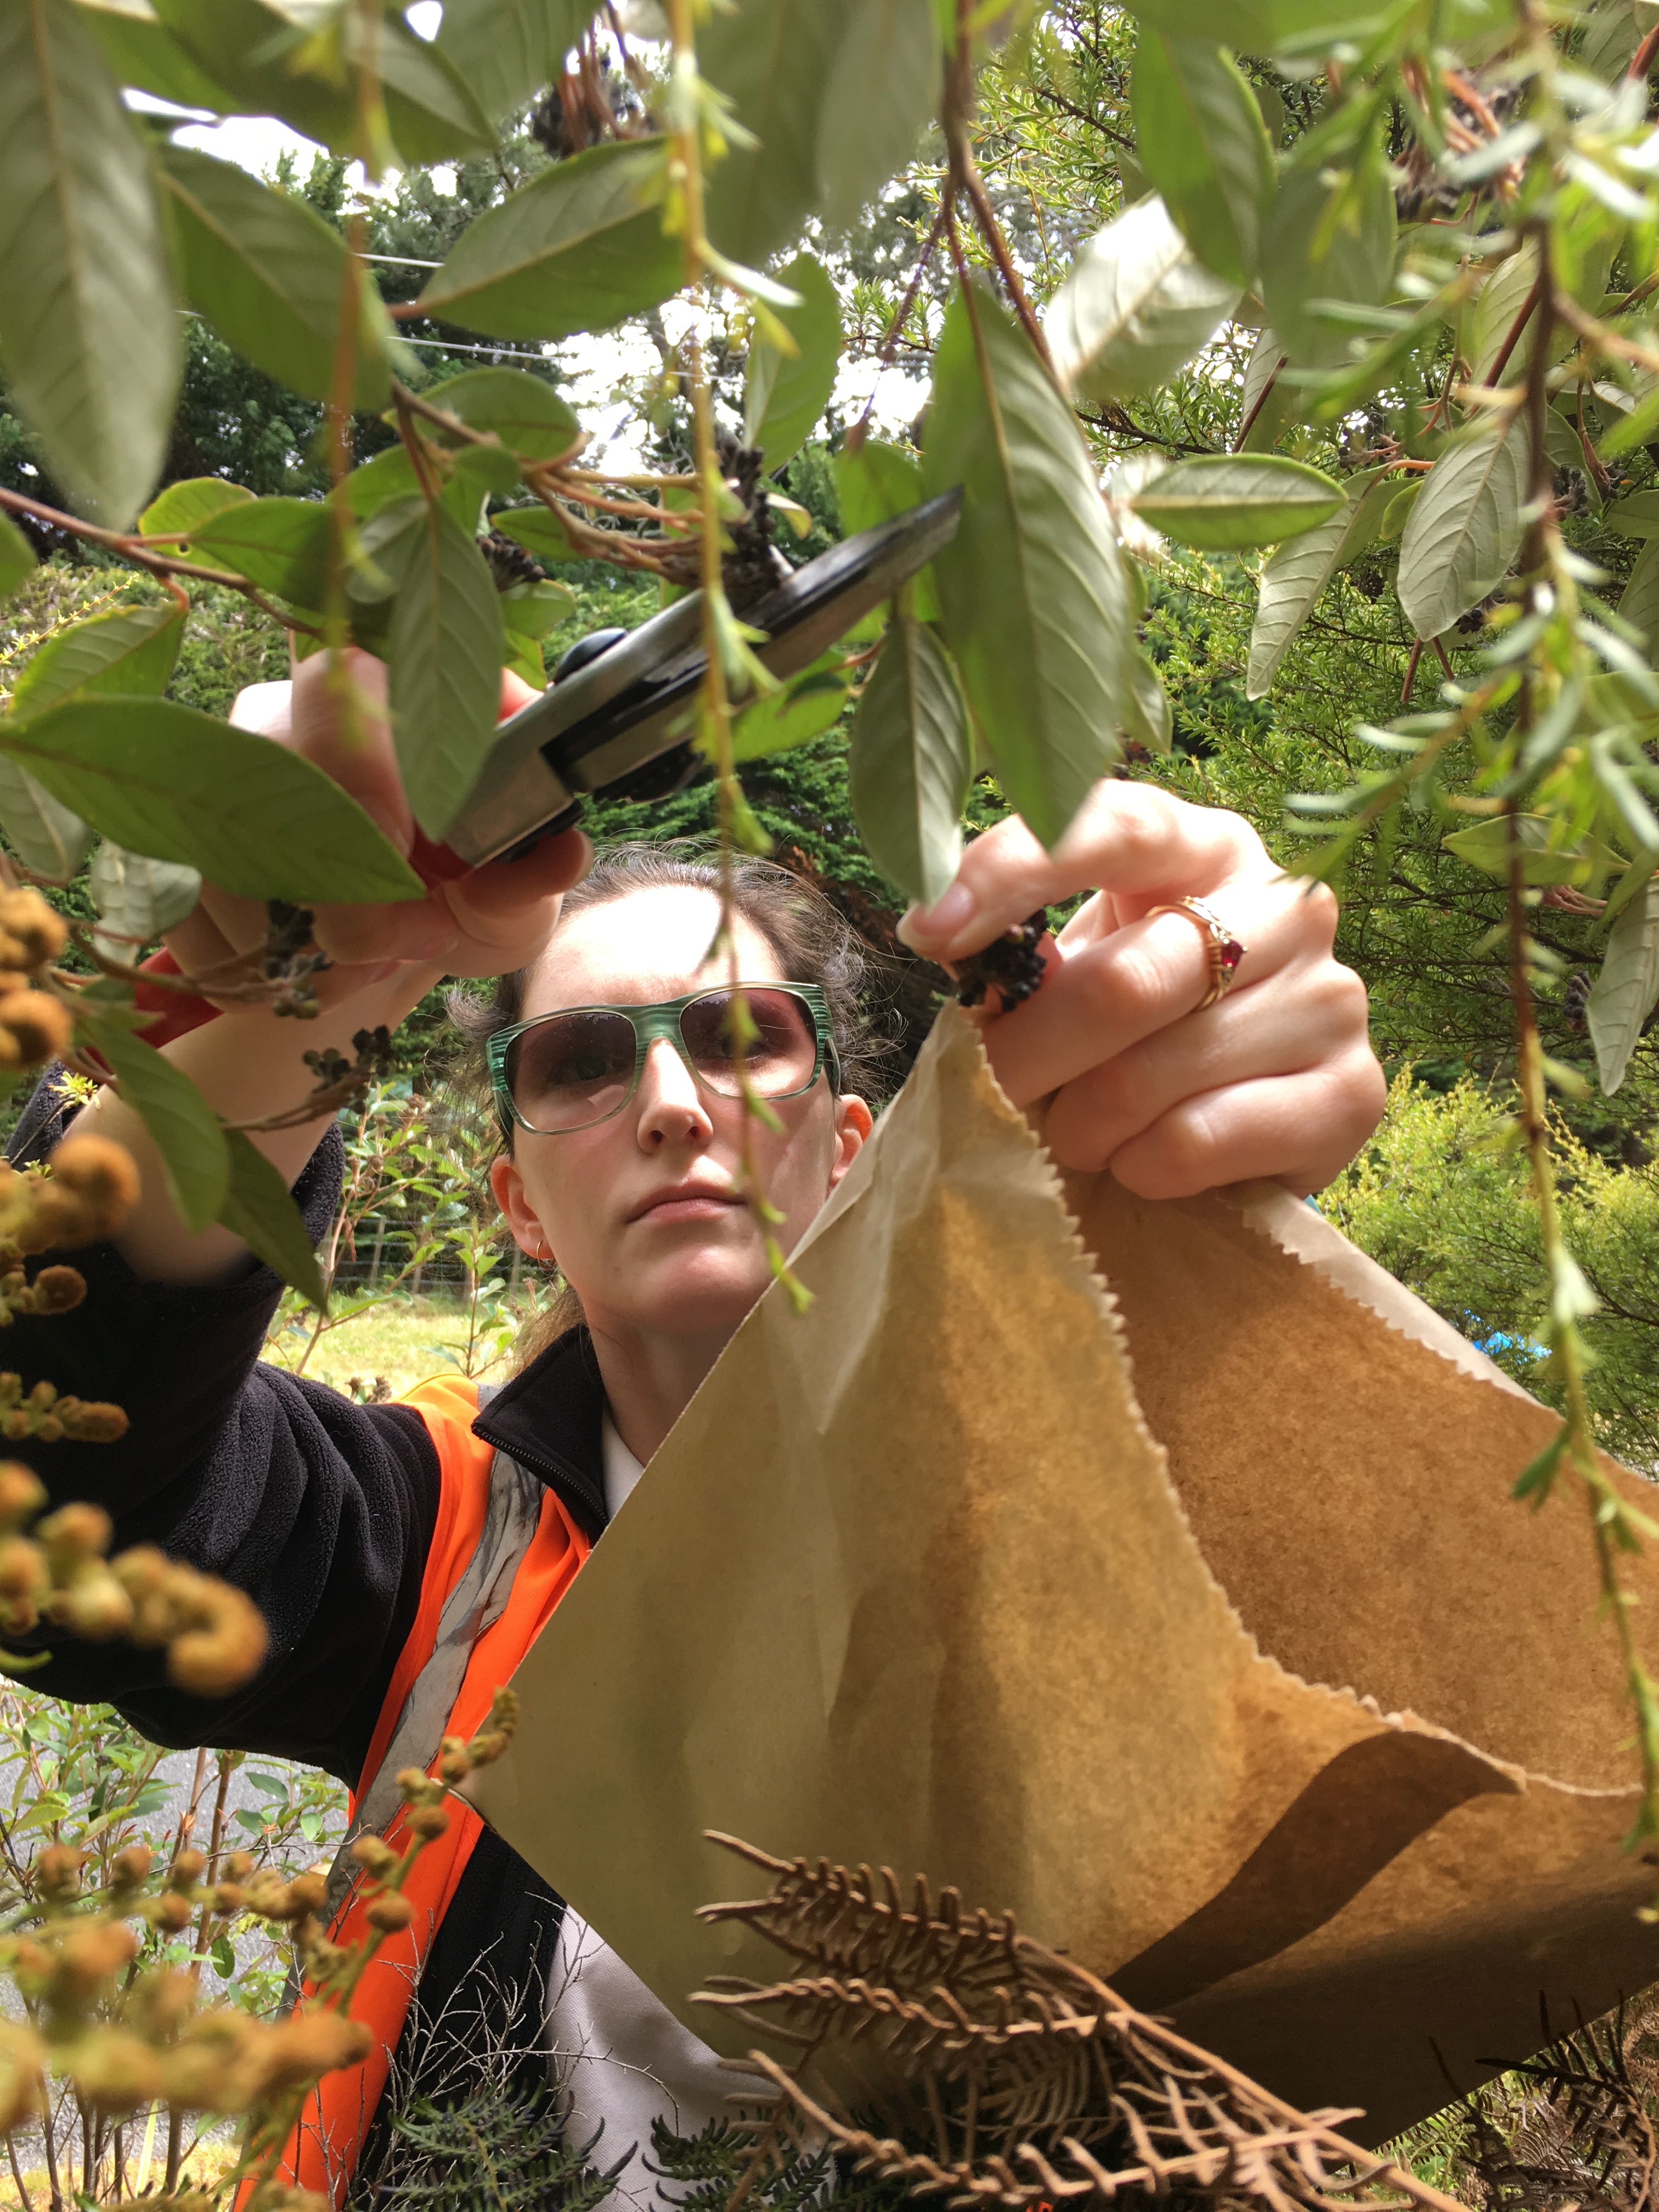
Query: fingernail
{"x": 946, "y": 918}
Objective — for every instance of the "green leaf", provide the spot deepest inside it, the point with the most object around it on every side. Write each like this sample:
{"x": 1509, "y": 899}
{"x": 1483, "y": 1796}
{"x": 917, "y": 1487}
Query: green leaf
{"x": 879, "y": 98}
{"x": 873, "y": 482}
{"x": 524, "y": 412}
{"x": 1148, "y": 718}
{"x": 280, "y": 544}
{"x": 1293, "y": 580}
{"x": 577, "y": 249}
{"x": 910, "y": 762}
{"x": 1267, "y": 401}
{"x": 1202, "y": 141}
{"x": 533, "y": 609}
{"x": 1137, "y": 304}
{"x": 1502, "y": 296}
{"x": 1485, "y": 845}
{"x": 1636, "y": 517}
{"x": 16, "y": 556}
{"x": 509, "y": 50}
{"x": 1325, "y": 240}
{"x": 1465, "y": 525}
{"x": 475, "y": 473}
{"x": 129, "y": 649}
{"x": 539, "y": 530}
{"x": 268, "y": 273}
{"x": 797, "y": 712}
{"x": 1627, "y": 989}
{"x": 45, "y": 836}
{"x": 1225, "y": 501}
{"x": 185, "y": 506}
{"x": 258, "y": 1208}
{"x": 446, "y": 655}
{"x": 254, "y": 818}
{"x": 88, "y": 324}
{"x": 140, "y": 52}
{"x": 137, "y": 898}
{"x": 785, "y": 394}
{"x": 1037, "y": 607}
{"x": 1639, "y": 602}
{"x": 183, "y": 1127}
{"x": 772, "y": 60}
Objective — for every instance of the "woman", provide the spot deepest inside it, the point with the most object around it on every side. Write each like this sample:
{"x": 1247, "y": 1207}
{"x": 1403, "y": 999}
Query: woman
{"x": 349, "y": 1524}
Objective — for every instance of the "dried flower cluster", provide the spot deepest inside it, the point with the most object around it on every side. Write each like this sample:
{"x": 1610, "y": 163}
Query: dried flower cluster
{"x": 35, "y": 1023}
{"x": 86, "y": 1193}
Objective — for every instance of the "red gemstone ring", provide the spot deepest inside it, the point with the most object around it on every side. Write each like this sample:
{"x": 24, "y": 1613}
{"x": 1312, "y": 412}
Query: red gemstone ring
{"x": 1224, "y": 949}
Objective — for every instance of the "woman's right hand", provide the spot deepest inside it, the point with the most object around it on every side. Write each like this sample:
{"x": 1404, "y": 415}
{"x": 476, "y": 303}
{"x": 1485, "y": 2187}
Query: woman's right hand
{"x": 478, "y": 922}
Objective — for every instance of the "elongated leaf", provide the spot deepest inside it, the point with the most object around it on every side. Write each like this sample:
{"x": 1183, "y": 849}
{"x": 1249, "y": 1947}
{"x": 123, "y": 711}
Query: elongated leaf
{"x": 1037, "y": 607}
{"x": 1627, "y": 989}
{"x": 771, "y": 59}
{"x": 1299, "y": 572}
{"x": 1268, "y": 402}
{"x": 910, "y": 763}
{"x": 507, "y": 50}
{"x": 258, "y": 1208}
{"x": 526, "y": 414}
{"x": 539, "y": 531}
{"x": 182, "y": 1125}
{"x": 784, "y": 395}
{"x": 1498, "y": 305}
{"x": 446, "y": 654}
{"x": 1639, "y": 602}
{"x": 46, "y": 837}
{"x": 129, "y": 649}
{"x": 16, "y": 556}
{"x": 186, "y": 506}
{"x": 1137, "y": 304}
{"x": 1465, "y": 526}
{"x": 281, "y": 544}
{"x": 1485, "y": 845}
{"x": 253, "y": 817}
{"x": 1326, "y": 241}
{"x": 1227, "y": 500}
{"x": 577, "y": 249}
{"x": 137, "y": 898}
{"x": 881, "y": 92}
{"x": 1202, "y": 141}
{"x": 88, "y": 324}
{"x": 1148, "y": 718}
{"x": 873, "y": 482}
{"x": 268, "y": 273}
{"x": 140, "y": 52}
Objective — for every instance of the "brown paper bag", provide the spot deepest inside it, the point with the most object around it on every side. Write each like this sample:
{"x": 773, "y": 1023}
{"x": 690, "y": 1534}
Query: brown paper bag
{"x": 1186, "y": 1614}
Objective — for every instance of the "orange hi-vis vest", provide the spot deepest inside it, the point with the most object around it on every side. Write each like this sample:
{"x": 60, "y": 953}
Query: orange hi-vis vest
{"x": 504, "y": 1552}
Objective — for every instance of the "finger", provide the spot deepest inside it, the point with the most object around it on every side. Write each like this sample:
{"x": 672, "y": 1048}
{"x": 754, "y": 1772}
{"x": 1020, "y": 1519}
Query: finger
{"x": 1127, "y": 836}
{"x": 1300, "y": 1130}
{"x": 339, "y": 724}
{"x": 1293, "y": 1022}
{"x": 495, "y": 899}
{"x": 1102, "y": 997}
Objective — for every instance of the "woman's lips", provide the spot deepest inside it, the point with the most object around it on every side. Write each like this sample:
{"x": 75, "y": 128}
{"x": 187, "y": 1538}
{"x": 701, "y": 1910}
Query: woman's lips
{"x": 686, "y": 1206}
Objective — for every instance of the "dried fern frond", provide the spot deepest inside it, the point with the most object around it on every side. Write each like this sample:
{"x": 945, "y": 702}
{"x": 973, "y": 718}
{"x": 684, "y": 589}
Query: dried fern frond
{"x": 1038, "y": 2083}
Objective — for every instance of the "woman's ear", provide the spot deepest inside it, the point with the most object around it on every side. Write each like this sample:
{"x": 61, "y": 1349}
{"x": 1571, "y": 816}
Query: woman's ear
{"x": 853, "y": 1122}
{"x": 507, "y": 1186}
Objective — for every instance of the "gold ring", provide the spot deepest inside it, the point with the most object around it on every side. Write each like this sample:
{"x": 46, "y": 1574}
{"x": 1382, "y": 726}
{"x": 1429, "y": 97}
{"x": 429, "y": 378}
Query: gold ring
{"x": 1225, "y": 950}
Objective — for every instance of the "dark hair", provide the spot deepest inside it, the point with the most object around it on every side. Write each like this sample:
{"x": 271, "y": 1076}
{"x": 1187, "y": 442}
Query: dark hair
{"x": 810, "y": 941}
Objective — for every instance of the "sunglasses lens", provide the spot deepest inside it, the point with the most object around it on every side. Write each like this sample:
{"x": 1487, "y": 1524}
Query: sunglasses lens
{"x": 782, "y": 1042}
{"x": 572, "y": 1070}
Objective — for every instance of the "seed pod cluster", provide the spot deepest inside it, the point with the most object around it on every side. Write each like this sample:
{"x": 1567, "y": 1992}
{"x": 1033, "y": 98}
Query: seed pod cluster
{"x": 35, "y": 1023}
{"x": 84, "y": 1193}
{"x": 41, "y": 1412}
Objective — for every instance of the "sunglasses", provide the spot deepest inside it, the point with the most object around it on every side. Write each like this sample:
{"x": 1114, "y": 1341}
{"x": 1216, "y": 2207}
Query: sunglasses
{"x": 567, "y": 1071}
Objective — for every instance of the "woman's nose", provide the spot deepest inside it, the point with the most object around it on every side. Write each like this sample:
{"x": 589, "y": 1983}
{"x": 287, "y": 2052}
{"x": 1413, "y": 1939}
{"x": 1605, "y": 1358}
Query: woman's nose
{"x": 671, "y": 1107}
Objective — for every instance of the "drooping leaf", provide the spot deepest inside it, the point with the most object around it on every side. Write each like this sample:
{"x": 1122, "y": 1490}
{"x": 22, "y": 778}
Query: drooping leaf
{"x": 185, "y": 506}
{"x": 1293, "y": 580}
{"x": 1037, "y": 608}
{"x": 141, "y": 52}
{"x": 1325, "y": 240}
{"x": 771, "y": 59}
{"x": 527, "y": 414}
{"x": 798, "y": 711}
{"x": 89, "y": 327}
{"x": 1626, "y": 991}
{"x": 127, "y": 649}
{"x": 446, "y": 655}
{"x": 260, "y": 1208}
{"x": 137, "y": 898}
{"x": 508, "y": 50}
{"x": 785, "y": 394}
{"x": 1485, "y": 845}
{"x": 1268, "y": 402}
{"x": 280, "y": 544}
{"x": 1148, "y": 717}
{"x": 577, "y": 249}
{"x": 46, "y": 837}
{"x": 182, "y": 1125}
{"x": 1202, "y": 138}
{"x": 1220, "y": 501}
{"x": 1465, "y": 526}
{"x": 16, "y": 556}
{"x": 881, "y": 92}
{"x": 910, "y": 762}
{"x": 268, "y": 273}
{"x": 253, "y": 817}
{"x": 1498, "y": 305}
{"x": 1137, "y": 304}
{"x": 1639, "y": 602}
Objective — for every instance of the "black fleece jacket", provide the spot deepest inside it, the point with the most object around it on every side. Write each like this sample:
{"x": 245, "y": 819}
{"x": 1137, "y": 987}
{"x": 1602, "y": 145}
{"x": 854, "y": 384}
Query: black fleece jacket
{"x": 322, "y": 1509}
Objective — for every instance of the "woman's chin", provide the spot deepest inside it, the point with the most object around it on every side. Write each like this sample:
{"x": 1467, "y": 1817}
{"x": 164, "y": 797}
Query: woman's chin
{"x": 701, "y": 1291}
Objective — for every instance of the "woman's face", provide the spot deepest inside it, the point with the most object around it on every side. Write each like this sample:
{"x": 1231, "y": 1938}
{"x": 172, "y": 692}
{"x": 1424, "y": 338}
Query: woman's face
{"x": 643, "y": 1213}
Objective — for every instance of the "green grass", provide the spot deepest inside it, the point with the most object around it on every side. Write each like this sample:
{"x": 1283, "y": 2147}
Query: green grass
{"x": 401, "y": 1341}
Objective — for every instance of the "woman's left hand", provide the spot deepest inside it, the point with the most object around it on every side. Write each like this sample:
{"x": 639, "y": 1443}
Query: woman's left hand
{"x": 1275, "y": 1078}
